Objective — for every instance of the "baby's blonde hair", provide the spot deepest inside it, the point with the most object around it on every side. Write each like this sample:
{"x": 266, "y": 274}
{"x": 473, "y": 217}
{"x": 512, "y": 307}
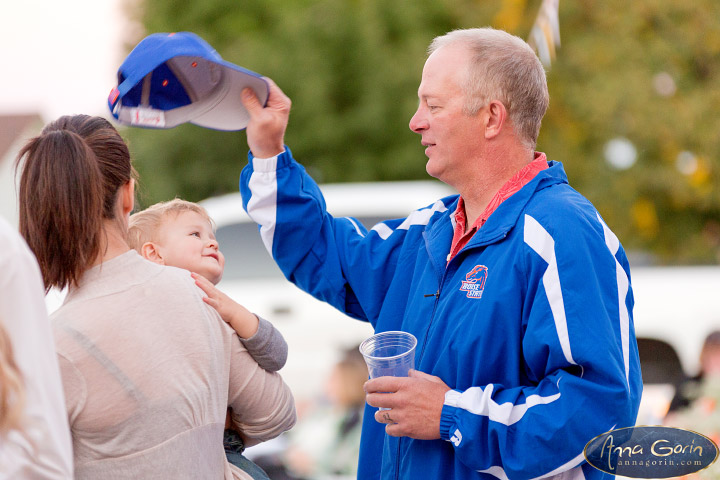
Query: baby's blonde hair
{"x": 144, "y": 224}
{"x": 12, "y": 391}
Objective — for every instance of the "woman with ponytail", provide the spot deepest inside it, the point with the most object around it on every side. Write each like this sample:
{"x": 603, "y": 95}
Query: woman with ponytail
{"x": 35, "y": 439}
{"x": 147, "y": 367}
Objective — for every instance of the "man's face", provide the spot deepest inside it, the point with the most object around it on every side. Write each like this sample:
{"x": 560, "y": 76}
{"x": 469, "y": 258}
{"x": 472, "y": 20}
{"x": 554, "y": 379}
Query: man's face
{"x": 187, "y": 241}
{"x": 452, "y": 138}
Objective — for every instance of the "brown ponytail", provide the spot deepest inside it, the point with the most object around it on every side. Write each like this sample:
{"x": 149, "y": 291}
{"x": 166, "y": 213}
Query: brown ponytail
{"x": 69, "y": 184}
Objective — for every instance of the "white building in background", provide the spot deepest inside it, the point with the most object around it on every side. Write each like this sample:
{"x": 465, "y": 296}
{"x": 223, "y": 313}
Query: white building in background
{"x": 15, "y": 130}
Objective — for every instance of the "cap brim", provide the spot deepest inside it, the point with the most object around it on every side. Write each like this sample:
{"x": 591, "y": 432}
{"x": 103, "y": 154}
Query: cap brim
{"x": 228, "y": 113}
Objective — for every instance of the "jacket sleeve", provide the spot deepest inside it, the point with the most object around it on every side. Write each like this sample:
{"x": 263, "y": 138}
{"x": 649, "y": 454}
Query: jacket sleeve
{"x": 579, "y": 352}
{"x": 334, "y": 259}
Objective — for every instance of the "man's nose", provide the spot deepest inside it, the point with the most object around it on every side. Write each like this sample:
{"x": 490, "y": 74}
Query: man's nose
{"x": 418, "y": 122}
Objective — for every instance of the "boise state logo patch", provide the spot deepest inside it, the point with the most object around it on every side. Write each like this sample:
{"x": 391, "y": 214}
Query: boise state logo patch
{"x": 474, "y": 282}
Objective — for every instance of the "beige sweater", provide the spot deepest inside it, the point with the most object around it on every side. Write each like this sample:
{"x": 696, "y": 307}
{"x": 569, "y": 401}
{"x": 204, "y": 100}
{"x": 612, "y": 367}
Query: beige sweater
{"x": 148, "y": 371}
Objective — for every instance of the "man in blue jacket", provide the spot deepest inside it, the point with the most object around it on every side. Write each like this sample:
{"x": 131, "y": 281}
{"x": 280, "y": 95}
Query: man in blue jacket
{"x": 518, "y": 292}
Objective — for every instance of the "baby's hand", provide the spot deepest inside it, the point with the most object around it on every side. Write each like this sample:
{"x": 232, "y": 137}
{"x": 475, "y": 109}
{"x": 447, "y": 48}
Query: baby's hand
{"x": 239, "y": 317}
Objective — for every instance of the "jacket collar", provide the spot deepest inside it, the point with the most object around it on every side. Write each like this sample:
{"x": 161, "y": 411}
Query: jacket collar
{"x": 506, "y": 216}
{"x": 438, "y": 235}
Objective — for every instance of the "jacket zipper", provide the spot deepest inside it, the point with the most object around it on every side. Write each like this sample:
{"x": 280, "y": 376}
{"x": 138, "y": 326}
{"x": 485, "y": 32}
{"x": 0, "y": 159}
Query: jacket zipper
{"x": 432, "y": 319}
{"x": 427, "y": 332}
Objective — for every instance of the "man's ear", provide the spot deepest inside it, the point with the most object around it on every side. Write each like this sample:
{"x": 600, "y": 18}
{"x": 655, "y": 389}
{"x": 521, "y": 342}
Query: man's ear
{"x": 497, "y": 115}
{"x": 151, "y": 252}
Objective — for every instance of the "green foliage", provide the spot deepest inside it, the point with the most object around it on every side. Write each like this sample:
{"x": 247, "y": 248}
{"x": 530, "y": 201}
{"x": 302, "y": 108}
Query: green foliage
{"x": 352, "y": 68}
{"x": 603, "y": 86}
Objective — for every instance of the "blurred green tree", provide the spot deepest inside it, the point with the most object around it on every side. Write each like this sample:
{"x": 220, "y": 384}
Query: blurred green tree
{"x": 646, "y": 74}
{"x": 633, "y": 113}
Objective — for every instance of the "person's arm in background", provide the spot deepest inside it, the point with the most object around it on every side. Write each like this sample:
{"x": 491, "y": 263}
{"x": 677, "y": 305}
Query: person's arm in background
{"x": 42, "y": 449}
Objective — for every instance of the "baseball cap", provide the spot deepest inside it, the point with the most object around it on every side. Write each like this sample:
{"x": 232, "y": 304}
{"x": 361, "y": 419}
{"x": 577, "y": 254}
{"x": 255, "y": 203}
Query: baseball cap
{"x": 173, "y": 78}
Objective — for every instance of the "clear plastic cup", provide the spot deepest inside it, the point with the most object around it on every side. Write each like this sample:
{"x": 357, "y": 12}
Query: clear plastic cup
{"x": 389, "y": 354}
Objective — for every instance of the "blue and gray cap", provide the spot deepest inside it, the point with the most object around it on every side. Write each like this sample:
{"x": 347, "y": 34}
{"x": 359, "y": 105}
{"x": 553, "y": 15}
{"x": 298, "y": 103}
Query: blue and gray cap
{"x": 173, "y": 78}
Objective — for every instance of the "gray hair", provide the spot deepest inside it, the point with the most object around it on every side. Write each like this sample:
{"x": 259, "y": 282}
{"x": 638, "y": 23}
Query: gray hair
{"x": 504, "y": 68}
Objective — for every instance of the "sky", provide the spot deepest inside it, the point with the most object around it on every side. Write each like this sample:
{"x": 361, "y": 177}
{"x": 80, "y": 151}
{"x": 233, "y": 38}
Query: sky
{"x": 59, "y": 57}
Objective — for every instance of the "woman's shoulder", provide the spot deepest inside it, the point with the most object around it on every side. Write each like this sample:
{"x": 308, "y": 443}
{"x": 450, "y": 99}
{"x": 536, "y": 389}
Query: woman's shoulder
{"x": 132, "y": 281}
{"x": 176, "y": 280}
{"x": 153, "y": 273}
{"x": 175, "y": 275}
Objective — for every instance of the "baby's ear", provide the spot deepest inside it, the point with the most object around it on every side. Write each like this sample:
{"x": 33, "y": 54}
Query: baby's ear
{"x": 151, "y": 252}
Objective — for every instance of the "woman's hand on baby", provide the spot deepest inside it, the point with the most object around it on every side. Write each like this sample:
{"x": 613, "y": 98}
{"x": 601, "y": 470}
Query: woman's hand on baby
{"x": 244, "y": 322}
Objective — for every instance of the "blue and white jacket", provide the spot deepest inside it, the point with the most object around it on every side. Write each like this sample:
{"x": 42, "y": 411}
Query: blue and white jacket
{"x": 530, "y": 324}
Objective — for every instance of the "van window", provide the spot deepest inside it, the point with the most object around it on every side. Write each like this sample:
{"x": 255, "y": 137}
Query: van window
{"x": 245, "y": 254}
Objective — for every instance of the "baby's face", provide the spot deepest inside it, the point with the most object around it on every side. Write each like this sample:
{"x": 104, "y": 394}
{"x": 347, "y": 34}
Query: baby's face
{"x": 187, "y": 241}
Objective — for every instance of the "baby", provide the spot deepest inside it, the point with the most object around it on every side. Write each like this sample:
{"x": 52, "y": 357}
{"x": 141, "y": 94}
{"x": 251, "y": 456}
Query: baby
{"x": 181, "y": 234}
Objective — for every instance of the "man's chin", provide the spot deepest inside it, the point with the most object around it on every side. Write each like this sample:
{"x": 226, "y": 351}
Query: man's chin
{"x": 433, "y": 172}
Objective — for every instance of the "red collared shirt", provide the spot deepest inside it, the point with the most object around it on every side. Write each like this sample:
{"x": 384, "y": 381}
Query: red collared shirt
{"x": 519, "y": 180}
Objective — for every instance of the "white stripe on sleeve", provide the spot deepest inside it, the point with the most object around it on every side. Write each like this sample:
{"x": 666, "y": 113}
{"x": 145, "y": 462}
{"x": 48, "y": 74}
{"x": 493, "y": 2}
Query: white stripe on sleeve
{"x": 497, "y": 472}
{"x": 570, "y": 471}
{"x": 262, "y": 206}
{"x": 540, "y": 240}
{"x": 354, "y": 224}
{"x": 479, "y": 402}
{"x": 623, "y": 284}
{"x": 418, "y": 217}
